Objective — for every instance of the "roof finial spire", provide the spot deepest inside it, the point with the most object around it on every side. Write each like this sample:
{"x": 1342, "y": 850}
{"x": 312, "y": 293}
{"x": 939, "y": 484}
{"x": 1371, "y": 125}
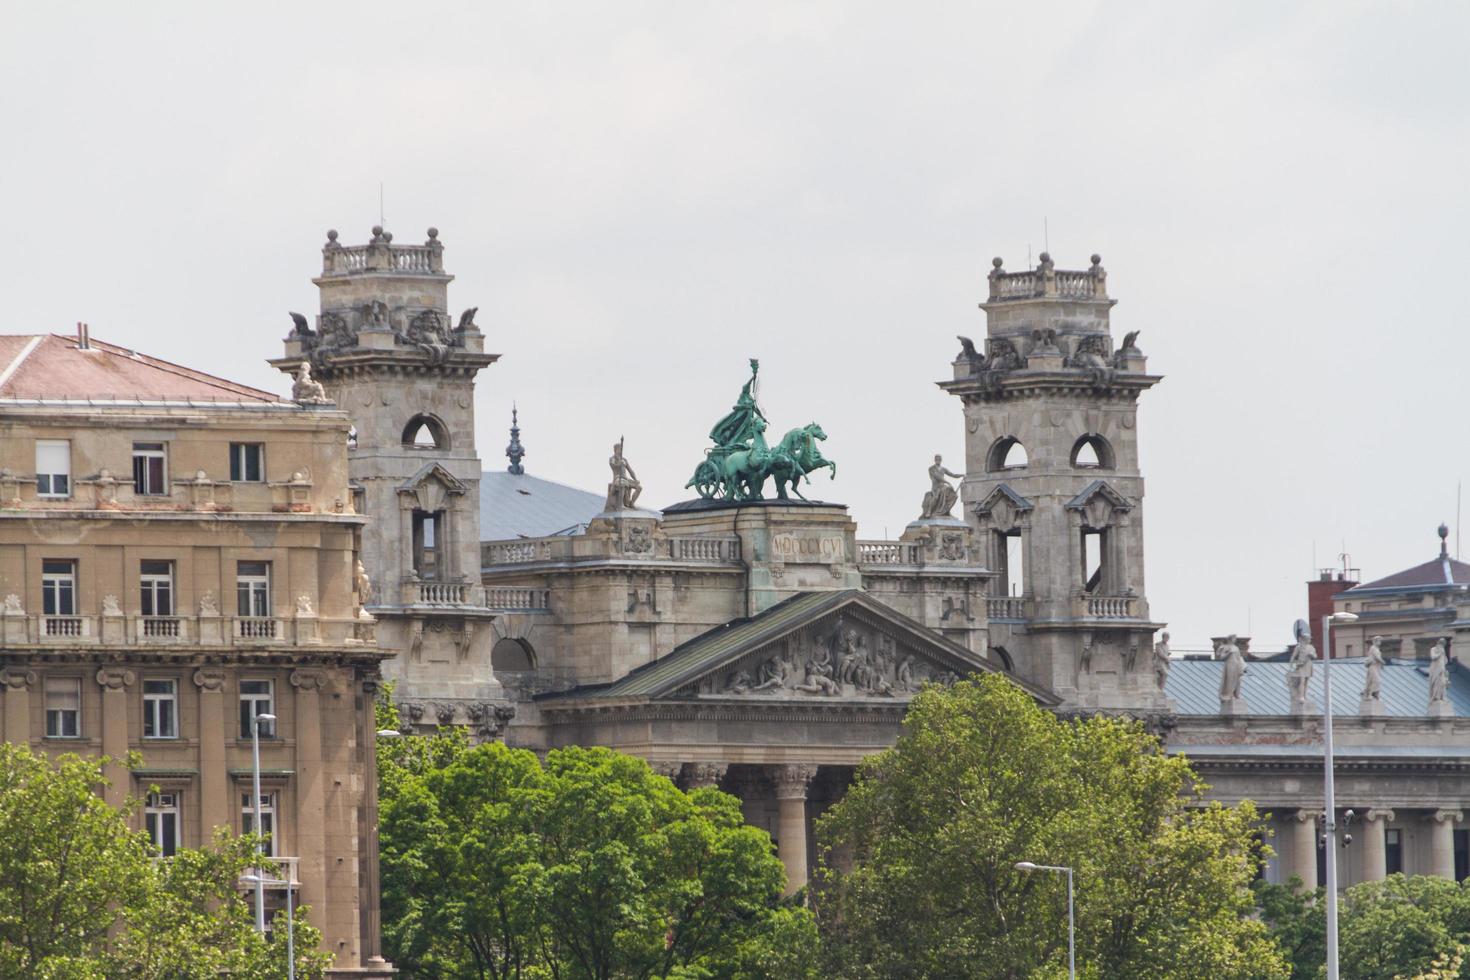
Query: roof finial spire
{"x": 515, "y": 451}
{"x": 1444, "y": 545}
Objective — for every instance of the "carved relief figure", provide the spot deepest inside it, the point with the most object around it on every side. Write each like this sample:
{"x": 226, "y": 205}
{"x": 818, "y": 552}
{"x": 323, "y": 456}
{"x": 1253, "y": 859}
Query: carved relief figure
{"x": 1161, "y": 661}
{"x": 623, "y": 491}
{"x": 819, "y": 673}
{"x": 852, "y": 658}
{"x": 12, "y": 605}
{"x": 1373, "y": 671}
{"x": 207, "y": 606}
{"x": 1303, "y": 658}
{"x": 1439, "y": 674}
{"x": 336, "y": 332}
{"x": 364, "y": 584}
{"x": 303, "y": 605}
{"x": 941, "y": 498}
{"x": 1234, "y": 670}
{"x": 110, "y": 606}
{"x": 306, "y": 390}
{"x": 1004, "y": 356}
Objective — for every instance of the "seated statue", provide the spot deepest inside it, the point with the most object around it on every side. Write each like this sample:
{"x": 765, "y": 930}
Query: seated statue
{"x": 941, "y": 498}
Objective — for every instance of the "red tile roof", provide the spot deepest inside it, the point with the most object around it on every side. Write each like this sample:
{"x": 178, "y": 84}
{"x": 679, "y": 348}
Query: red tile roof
{"x": 1440, "y": 571}
{"x": 52, "y": 366}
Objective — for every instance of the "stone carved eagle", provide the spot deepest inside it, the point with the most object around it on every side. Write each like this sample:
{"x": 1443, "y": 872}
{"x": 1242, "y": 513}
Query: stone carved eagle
{"x": 301, "y": 328}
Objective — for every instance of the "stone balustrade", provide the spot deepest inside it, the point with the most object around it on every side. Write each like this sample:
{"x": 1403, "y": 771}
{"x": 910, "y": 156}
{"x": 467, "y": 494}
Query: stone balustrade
{"x": 1005, "y": 607}
{"x": 524, "y": 600}
{"x": 1107, "y": 606}
{"x": 20, "y": 628}
{"x": 197, "y": 493}
{"x": 382, "y": 256}
{"x": 515, "y": 552}
{"x": 887, "y": 553}
{"x": 436, "y": 593}
{"x": 704, "y": 549}
{"x": 1046, "y": 281}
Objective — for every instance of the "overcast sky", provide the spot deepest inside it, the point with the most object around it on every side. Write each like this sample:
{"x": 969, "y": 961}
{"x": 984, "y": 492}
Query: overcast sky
{"x": 640, "y": 196}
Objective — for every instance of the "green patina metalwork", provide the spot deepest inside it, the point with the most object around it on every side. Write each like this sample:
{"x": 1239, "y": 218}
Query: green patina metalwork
{"x": 740, "y": 462}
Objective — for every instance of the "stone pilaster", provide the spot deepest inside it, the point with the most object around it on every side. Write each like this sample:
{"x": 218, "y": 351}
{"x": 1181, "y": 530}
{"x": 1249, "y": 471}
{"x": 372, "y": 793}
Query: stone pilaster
{"x": 1304, "y": 847}
{"x": 791, "y": 782}
{"x": 311, "y": 792}
{"x": 1442, "y": 842}
{"x": 17, "y": 683}
{"x": 214, "y": 793}
{"x": 115, "y": 682}
{"x": 706, "y": 775}
{"x": 1375, "y": 845}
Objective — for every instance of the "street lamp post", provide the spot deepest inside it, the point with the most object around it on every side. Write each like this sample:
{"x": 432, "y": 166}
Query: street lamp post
{"x": 1330, "y": 809}
{"x": 259, "y": 849}
{"x": 260, "y": 882}
{"x": 1028, "y": 867}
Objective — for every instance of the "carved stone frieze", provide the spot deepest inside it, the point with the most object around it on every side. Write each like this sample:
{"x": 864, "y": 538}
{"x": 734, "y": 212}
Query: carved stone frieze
{"x": 849, "y": 659}
{"x": 209, "y": 679}
{"x": 410, "y": 713}
{"x": 489, "y": 719}
{"x": 115, "y": 678}
{"x": 309, "y": 680}
{"x": 17, "y": 678}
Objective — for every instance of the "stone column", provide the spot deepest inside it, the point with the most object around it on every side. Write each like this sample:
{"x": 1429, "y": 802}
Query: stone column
{"x": 310, "y": 792}
{"x": 791, "y": 783}
{"x": 1442, "y": 842}
{"x": 370, "y": 895}
{"x": 1304, "y": 848}
{"x": 214, "y": 792}
{"x": 1375, "y": 847}
{"x": 17, "y": 683}
{"x": 706, "y": 775}
{"x": 115, "y": 682}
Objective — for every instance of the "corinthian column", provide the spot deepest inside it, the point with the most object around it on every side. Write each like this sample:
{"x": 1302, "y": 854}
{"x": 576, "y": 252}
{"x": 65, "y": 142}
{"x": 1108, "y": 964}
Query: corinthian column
{"x": 706, "y": 775}
{"x": 1375, "y": 847}
{"x": 1304, "y": 848}
{"x": 1442, "y": 843}
{"x": 791, "y": 783}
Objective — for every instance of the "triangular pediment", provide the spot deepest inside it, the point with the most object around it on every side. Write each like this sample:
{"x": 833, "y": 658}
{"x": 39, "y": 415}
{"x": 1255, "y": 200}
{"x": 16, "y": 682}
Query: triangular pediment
{"x": 822, "y": 646}
{"x": 1003, "y": 494}
{"x": 431, "y": 485}
{"x": 1099, "y": 489}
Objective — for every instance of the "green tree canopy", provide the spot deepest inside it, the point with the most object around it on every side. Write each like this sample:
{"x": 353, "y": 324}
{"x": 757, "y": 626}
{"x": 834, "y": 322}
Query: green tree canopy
{"x": 591, "y": 866}
{"x": 1400, "y": 927}
{"x": 71, "y": 869}
{"x": 919, "y": 875}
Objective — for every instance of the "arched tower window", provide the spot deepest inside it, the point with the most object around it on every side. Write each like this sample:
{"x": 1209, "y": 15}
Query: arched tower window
{"x": 1092, "y": 452}
{"x": 1006, "y": 454}
{"x": 510, "y": 656}
{"x": 425, "y": 432}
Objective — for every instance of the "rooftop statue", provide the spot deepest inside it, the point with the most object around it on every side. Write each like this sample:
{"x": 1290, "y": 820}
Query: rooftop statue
{"x": 740, "y": 462}
{"x": 941, "y": 498}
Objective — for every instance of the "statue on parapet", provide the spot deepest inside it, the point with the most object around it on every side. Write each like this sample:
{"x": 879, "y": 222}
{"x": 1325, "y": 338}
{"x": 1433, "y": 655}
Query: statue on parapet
{"x": 1231, "y": 675}
{"x": 307, "y": 390}
{"x": 941, "y": 498}
{"x": 624, "y": 490}
{"x": 1161, "y": 661}
{"x": 1439, "y": 679}
{"x": 1373, "y": 674}
{"x": 1303, "y": 661}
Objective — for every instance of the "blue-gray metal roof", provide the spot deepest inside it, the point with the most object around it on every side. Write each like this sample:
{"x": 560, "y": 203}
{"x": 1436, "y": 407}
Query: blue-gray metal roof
{"x": 518, "y": 505}
{"x": 1194, "y": 685}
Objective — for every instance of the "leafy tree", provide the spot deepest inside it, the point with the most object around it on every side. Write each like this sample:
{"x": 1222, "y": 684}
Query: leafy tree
{"x": 918, "y": 876}
{"x": 591, "y": 866}
{"x": 1403, "y": 926}
{"x": 82, "y": 896}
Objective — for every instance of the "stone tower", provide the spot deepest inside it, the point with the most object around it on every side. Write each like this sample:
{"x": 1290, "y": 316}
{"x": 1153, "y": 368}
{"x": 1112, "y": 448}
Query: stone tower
{"x": 386, "y": 350}
{"x": 1053, "y": 488}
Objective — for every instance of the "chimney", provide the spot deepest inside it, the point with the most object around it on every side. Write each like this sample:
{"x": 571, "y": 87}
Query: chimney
{"x": 84, "y": 336}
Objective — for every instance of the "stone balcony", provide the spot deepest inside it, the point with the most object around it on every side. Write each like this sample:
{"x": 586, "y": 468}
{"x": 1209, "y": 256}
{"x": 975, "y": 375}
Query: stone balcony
{"x": 20, "y": 628}
{"x": 381, "y": 255}
{"x": 199, "y": 493}
{"x": 1048, "y": 282}
{"x": 1105, "y": 607}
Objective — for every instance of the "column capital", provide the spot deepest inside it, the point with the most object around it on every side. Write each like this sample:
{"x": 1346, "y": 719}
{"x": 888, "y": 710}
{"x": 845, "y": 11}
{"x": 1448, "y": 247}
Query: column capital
{"x": 1386, "y": 816}
{"x": 791, "y": 780}
{"x": 115, "y": 678}
{"x": 706, "y": 774}
{"x": 1304, "y": 815}
{"x": 309, "y": 680}
{"x": 209, "y": 679}
{"x": 19, "y": 678}
{"x": 1446, "y": 815}
{"x": 665, "y": 768}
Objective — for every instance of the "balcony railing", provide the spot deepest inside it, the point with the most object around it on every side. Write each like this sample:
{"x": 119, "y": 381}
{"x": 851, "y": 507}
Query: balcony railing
{"x": 1048, "y": 281}
{"x": 64, "y": 627}
{"x": 257, "y": 628}
{"x": 705, "y": 549}
{"x": 438, "y": 593}
{"x": 287, "y": 869}
{"x": 887, "y": 553}
{"x": 18, "y": 628}
{"x": 1109, "y": 606}
{"x": 1005, "y": 607}
{"x": 525, "y": 599}
{"x": 161, "y": 627}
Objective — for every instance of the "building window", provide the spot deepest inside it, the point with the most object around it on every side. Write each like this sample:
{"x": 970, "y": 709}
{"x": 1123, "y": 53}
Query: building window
{"x": 63, "y": 707}
{"x": 247, "y": 462}
{"x": 253, "y": 588}
{"x": 58, "y": 587}
{"x": 1393, "y": 851}
{"x": 157, "y": 578}
{"x": 53, "y": 468}
{"x": 267, "y": 819}
{"x": 148, "y": 468}
{"x": 1462, "y": 855}
{"x": 428, "y": 529}
{"x": 160, "y": 708}
{"x": 257, "y": 697}
{"x": 161, "y": 818}
{"x": 425, "y": 432}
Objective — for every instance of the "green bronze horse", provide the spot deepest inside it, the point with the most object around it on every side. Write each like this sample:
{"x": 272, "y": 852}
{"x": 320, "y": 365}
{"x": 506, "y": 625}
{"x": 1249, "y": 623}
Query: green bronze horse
{"x": 744, "y": 472}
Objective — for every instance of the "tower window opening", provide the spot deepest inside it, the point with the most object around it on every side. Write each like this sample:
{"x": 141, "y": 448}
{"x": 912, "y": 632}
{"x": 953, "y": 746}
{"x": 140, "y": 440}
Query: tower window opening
{"x": 1095, "y": 546}
{"x": 428, "y": 535}
{"x": 1092, "y": 452}
{"x": 1007, "y": 454}
{"x": 1010, "y": 555}
{"x": 425, "y": 432}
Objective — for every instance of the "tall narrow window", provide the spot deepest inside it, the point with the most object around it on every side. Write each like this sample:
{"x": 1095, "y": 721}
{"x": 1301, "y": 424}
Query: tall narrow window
{"x": 161, "y": 818}
{"x": 58, "y": 587}
{"x": 1094, "y": 545}
{"x": 149, "y": 471}
{"x": 253, "y": 588}
{"x": 157, "y": 582}
{"x": 267, "y": 819}
{"x": 53, "y": 468}
{"x": 247, "y": 462}
{"x": 160, "y": 708}
{"x": 1393, "y": 851}
{"x": 257, "y": 697}
{"x": 63, "y": 707}
{"x": 1010, "y": 556}
{"x": 428, "y": 531}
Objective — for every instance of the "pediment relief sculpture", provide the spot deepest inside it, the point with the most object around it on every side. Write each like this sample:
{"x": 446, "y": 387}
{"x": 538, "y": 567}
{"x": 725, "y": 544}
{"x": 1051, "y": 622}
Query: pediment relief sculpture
{"x": 1002, "y": 508}
{"x": 845, "y": 660}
